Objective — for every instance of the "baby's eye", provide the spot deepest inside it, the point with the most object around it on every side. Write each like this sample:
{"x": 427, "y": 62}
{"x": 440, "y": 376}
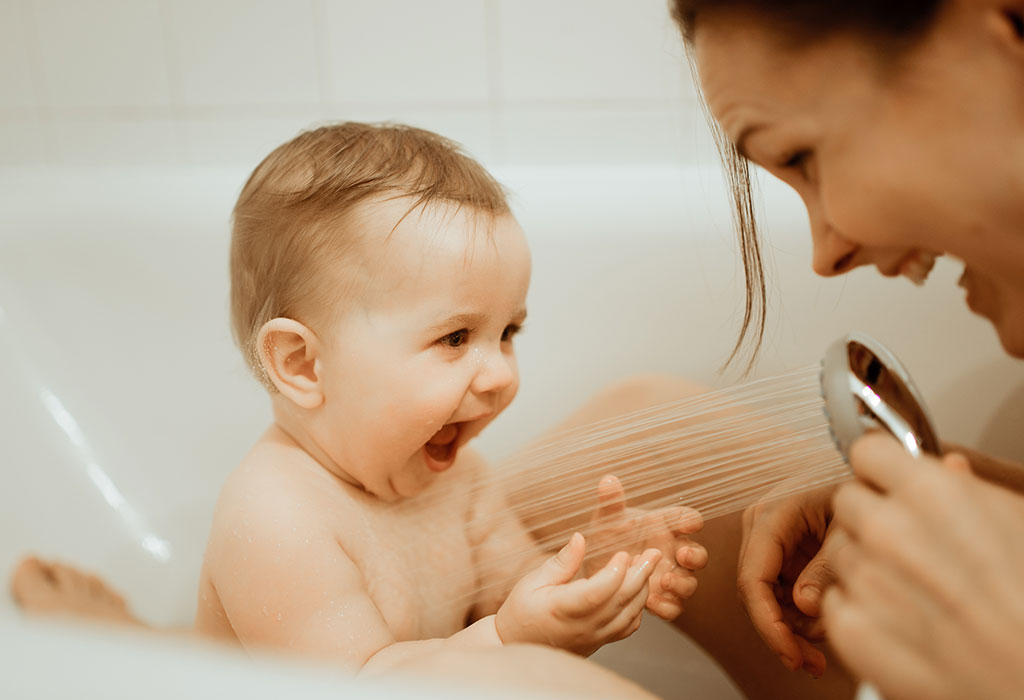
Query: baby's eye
{"x": 510, "y": 332}
{"x": 455, "y": 339}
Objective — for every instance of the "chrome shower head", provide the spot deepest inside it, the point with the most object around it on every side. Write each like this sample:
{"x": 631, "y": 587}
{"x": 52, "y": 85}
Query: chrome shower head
{"x": 865, "y": 388}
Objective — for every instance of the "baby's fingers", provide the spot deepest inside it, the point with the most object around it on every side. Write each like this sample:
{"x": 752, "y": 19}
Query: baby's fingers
{"x": 681, "y": 520}
{"x": 692, "y": 556}
{"x": 679, "y": 582}
{"x": 583, "y": 596}
{"x": 627, "y": 621}
{"x": 639, "y": 574}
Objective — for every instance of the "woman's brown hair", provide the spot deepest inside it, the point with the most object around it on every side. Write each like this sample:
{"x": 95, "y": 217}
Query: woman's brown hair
{"x": 890, "y": 26}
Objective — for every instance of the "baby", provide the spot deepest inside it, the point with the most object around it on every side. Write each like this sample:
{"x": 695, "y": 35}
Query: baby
{"x": 378, "y": 281}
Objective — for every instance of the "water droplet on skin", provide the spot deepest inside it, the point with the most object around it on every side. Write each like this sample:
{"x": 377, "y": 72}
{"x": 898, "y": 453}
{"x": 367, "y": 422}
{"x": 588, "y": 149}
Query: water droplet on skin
{"x": 266, "y": 613}
{"x": 279, "y": 617}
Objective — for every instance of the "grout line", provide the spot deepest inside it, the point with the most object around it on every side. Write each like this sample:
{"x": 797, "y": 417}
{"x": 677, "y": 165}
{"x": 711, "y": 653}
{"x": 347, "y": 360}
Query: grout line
{"x": 176, "y": 110}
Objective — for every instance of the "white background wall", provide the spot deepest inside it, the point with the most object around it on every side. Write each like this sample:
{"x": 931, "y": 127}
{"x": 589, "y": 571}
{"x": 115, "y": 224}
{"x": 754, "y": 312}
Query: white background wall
{"x": 201, "y": 82}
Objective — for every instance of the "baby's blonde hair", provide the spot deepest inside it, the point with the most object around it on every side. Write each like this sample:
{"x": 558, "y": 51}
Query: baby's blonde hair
{"x": 289, "y": 223}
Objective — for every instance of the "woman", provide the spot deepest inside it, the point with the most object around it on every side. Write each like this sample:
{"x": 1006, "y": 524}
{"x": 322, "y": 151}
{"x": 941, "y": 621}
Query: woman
{"x": 901, "y": 125}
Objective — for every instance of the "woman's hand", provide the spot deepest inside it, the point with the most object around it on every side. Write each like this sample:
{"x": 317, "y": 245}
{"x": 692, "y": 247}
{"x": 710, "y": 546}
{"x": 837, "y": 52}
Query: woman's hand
{"x": 784, "y": 567}
{"x": 929, "y": 602}
{"x": 548, "y": 607}
{"x": 667, "y": 530}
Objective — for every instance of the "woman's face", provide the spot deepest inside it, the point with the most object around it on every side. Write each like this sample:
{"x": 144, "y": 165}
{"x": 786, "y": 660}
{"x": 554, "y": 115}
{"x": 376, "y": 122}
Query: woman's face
{"x": 897, "y": 159}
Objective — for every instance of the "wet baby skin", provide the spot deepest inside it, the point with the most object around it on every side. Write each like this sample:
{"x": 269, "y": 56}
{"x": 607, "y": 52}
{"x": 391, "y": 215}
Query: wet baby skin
{"x": 356, "y": 529}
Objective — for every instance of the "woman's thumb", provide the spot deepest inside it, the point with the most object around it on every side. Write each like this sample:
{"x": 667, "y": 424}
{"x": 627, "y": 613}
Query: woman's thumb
{"x": 818, "y": 575}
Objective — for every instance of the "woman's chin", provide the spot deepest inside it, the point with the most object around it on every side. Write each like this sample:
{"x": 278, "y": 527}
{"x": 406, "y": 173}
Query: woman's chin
{"x": 1012, "y": 339}
{"x": 1009, "y": 325}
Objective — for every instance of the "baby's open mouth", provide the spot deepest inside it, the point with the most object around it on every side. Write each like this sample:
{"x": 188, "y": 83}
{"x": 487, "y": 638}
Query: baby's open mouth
{"x": 439, "y": 452}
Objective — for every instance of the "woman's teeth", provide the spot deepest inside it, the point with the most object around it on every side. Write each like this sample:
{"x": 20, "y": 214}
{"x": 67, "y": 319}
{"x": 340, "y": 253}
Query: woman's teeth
{"x": 917, "y": 266}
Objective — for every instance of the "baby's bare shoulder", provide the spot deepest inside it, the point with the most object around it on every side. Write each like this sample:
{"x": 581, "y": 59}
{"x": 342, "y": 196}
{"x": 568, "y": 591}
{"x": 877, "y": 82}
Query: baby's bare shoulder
{"x": 275, "y": 497}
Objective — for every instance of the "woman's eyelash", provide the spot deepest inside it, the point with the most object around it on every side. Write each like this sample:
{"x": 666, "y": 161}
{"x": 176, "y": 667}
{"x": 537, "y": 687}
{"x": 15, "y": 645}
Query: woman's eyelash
{"x": 796, "y": 160}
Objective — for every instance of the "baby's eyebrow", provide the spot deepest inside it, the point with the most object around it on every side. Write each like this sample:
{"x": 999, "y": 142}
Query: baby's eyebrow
{"x": 459, "y": 320}
{"x": 472, "y": 320}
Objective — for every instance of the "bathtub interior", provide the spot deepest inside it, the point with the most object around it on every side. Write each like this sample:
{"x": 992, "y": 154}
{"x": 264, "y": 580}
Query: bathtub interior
{"x": 124, "y": 403}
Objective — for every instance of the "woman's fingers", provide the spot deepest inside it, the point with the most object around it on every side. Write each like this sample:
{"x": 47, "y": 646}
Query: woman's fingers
{"x": 883, "y": 463}
{"x": 813, "y": 658}
{"x": 759, "y": 567}
{"x": 877, "y": 656}
{"x": 819, "y": 573}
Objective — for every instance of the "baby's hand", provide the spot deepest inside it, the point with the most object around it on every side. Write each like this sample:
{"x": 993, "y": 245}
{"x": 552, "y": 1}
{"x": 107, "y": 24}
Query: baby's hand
{"x": 616, "y": 527}
{"x": 548, "y": 607}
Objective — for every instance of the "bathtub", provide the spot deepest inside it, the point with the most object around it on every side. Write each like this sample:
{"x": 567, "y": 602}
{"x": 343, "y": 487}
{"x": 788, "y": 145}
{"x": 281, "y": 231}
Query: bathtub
{"x": 123, "y": 403}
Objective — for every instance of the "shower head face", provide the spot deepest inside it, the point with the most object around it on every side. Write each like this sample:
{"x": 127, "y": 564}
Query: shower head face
{"x": 865, "y": 387}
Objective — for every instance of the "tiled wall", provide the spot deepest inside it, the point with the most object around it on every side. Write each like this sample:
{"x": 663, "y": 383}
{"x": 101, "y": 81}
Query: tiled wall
{"x": 115, "y": 82}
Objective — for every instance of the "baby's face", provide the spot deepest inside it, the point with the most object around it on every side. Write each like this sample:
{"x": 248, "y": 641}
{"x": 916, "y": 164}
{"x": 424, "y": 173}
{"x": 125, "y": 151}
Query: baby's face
{"x": 424, "y": 359}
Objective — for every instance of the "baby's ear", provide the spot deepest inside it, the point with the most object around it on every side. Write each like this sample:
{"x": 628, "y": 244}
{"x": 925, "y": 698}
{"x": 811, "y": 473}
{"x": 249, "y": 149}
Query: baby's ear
{"x": 289, "y": 352}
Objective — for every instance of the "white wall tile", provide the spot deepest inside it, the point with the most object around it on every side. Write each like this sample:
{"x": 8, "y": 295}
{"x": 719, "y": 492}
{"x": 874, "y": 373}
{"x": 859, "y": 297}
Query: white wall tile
{"x": 102, "y": 53}
{"x": 115, "y": 143}
{"x": 241, "y": 142}
{"x": 589, "y": 49}
{"x": 395, "y": 51}
{"x": 698, "y": 144}
{"x": 238, "y": 52}
{"x": 22, "y": 144}
{"x": 556, "y": 136}
{"x": 16, "y": 34}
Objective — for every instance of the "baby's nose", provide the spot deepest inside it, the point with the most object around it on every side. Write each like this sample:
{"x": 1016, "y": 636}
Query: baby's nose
{"x": 497, "y": 372}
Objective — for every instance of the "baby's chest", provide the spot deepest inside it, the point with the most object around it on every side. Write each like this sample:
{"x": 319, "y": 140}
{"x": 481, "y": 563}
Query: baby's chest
{"x": 419, "y": 569}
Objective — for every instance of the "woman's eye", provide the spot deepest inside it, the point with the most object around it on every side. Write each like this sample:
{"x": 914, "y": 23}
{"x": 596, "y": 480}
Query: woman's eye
{"x": 797, "y": 160}
{"x": 510, "y": 331}
{"x": 455, "y": 339}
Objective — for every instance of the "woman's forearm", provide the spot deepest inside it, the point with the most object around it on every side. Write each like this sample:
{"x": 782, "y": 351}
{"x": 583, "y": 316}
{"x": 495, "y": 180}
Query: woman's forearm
{"x": 994, "y": 469}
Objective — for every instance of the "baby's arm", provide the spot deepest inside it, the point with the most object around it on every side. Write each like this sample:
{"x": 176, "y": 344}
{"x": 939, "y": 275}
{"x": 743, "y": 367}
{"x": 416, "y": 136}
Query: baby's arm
{"x": 286, "y": 583}
{"x": 503, "y": 551}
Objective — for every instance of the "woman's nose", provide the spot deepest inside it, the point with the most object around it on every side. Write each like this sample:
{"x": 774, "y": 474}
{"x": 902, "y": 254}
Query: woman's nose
{"x": 497, "y": 372}
{"x": 833, "y": 254}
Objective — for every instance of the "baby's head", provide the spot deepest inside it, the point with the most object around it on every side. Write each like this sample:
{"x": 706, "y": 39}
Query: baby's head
{"x": 377, "y": 280}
